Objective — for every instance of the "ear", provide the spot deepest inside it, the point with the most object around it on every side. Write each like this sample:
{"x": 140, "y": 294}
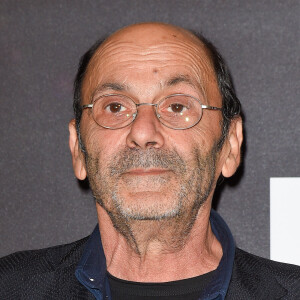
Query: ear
{"x": 234, "y": 140}
{"x": 76, "y": 152}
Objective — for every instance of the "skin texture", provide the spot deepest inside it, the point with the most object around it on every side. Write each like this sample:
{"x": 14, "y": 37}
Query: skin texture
{"x": 153, "y": 185}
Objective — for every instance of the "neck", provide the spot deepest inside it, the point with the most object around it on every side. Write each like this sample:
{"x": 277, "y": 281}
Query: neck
{"x": 159, "y": 250}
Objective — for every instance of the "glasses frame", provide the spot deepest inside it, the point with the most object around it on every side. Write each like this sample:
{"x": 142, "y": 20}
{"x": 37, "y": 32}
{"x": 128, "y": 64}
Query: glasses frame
{"x": 134, "y": 115}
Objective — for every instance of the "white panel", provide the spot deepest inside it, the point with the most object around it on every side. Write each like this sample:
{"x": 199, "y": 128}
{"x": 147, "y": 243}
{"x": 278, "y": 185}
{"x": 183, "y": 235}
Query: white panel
{"x": 285, "y": 219}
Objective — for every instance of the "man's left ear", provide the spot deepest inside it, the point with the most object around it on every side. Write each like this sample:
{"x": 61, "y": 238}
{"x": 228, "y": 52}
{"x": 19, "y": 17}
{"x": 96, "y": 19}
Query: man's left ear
{"x": 234, "y": 140}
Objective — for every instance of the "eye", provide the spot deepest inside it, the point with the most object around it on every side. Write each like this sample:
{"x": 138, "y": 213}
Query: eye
{"x": 176, "y": 108}
{"x": 114, "y": 107}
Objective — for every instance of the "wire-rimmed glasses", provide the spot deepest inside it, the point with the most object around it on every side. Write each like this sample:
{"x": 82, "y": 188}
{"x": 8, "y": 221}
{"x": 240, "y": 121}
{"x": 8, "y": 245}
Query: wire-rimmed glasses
{"x": 176, "y": 111}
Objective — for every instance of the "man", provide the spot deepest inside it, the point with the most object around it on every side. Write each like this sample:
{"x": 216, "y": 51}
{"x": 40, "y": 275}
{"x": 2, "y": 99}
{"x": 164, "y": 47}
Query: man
{"x": 157, "y": 123}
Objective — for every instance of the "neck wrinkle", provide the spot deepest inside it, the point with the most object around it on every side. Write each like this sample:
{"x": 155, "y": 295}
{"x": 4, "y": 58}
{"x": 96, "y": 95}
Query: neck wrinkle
{"x": 150, "y": 259}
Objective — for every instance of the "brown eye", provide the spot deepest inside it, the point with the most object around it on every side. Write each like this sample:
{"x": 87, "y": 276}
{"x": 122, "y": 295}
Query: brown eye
{"x": 115, "y": 107}
{"x": 177, "y": 108}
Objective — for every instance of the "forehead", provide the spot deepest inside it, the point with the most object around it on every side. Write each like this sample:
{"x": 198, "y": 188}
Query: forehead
{"x": 148, "y": 53}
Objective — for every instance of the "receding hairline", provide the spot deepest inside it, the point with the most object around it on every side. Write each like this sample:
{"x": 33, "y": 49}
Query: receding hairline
{"x": 154, "y": 25}
{"x": 170, "y": 28}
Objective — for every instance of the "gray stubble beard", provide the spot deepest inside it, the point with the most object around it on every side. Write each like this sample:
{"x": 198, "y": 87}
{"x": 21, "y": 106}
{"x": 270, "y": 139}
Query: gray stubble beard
{"x": 177, "y": 224}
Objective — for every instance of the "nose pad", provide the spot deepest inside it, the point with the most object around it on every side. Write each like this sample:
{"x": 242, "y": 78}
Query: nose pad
{"x": 145, "y": 104}
{"x": 145, "y": 129}
{"x": 150, "y": 113}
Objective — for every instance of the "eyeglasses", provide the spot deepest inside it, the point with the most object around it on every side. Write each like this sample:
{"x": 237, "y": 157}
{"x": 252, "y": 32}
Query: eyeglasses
{"x": 177, "y": 111}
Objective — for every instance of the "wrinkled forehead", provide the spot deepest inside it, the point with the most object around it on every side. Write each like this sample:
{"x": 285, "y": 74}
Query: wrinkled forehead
{"x": 140, "y": 46}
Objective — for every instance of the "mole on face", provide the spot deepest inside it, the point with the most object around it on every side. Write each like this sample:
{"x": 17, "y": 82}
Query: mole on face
{"x": 155, "y": 71}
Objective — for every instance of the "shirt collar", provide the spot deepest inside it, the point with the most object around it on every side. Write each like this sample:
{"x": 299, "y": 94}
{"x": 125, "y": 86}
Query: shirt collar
{"x": 218, "y": 287}
{"x": 91, "y": 270}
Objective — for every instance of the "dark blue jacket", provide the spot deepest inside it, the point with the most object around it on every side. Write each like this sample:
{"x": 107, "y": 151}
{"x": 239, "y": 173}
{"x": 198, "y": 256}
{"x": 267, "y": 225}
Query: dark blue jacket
{"x": 50, "y": 274}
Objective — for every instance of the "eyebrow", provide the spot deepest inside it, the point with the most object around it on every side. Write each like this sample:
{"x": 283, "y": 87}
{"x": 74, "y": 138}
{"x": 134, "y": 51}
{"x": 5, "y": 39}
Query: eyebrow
{"x": 186, "y": 79}
{"x": 110, "y": 86}
{"x": 178, "y": 79}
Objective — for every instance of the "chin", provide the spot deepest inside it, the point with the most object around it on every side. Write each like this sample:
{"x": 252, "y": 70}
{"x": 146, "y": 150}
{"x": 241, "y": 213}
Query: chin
{"x": 147, "y": 205}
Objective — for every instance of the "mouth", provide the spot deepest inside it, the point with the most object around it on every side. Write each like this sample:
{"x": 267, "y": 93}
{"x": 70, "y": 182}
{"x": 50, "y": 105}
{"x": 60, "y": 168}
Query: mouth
{"x": 146, "y": 172}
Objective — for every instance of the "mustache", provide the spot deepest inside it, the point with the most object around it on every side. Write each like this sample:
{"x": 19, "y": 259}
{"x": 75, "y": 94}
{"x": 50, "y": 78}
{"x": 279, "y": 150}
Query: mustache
{"x": 150, "y": 158}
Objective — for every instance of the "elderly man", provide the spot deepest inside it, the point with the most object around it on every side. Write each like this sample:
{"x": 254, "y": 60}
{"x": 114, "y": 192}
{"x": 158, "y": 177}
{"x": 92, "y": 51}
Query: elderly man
{"x": 157, "y": 122}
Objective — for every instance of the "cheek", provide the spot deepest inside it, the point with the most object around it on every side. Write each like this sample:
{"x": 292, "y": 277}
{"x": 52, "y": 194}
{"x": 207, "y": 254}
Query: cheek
{"x": 209, "y": 129}
{"x": 101, "y": 141}
{"x": 202, "y": 138}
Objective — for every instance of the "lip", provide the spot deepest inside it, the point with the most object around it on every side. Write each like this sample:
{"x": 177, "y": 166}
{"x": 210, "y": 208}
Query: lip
{"x": 145, "y": 172}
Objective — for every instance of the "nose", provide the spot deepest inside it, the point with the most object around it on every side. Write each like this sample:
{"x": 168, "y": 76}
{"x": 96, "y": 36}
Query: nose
{"x": 145, "y": 131}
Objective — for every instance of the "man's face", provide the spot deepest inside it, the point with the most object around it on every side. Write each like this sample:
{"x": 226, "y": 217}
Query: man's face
{"x": 146, "y": 170}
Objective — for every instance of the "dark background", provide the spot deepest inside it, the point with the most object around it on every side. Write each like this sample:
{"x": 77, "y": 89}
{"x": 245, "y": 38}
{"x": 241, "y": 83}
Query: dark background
{"x": 41, "y": 42}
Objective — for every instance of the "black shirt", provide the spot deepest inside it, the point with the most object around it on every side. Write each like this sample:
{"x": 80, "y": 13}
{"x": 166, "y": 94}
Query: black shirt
{"x": 186, "y": 289}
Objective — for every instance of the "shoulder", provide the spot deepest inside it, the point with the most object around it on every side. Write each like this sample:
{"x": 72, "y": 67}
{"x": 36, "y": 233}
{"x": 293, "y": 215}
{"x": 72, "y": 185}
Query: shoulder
{"x": 42, "y": 259}
{"x": 36, "y": 269}
{"x": 252, "y": 262}
{"x": 255, "y": 277}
